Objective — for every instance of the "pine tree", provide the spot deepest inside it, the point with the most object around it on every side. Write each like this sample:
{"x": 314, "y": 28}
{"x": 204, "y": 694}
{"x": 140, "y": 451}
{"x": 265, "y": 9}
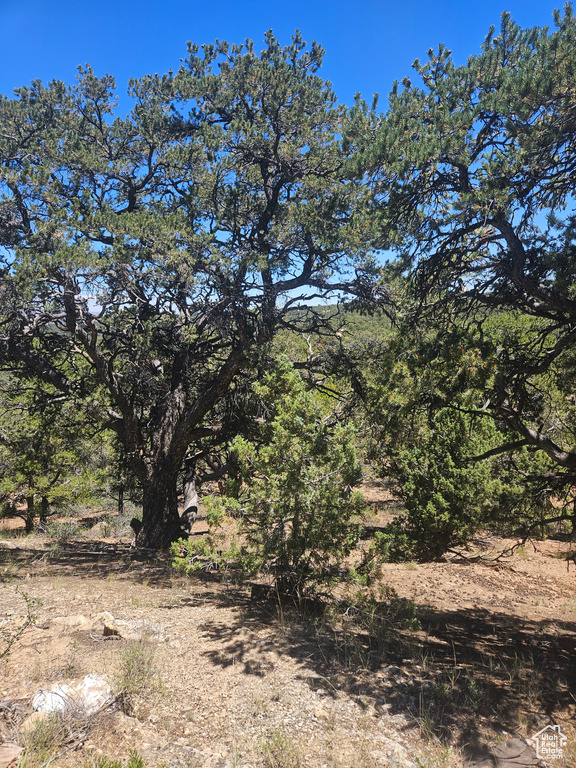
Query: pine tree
{"x": 150, "y": 256}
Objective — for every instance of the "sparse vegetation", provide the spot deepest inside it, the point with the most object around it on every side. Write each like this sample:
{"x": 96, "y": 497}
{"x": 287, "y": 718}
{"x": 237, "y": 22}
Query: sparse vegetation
{"x": 44, "y": 741}
{"x": 53, "y": 735}
{"x": 134, "y": 761}
{"x": 9, "y": 636}
{"x": 136, "y": 676}
{"x": 280, "y": 751}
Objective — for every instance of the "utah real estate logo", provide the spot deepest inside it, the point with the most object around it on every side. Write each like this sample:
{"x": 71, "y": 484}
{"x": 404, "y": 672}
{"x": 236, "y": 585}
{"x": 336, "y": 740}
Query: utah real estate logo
{"x": 550, "y": 743}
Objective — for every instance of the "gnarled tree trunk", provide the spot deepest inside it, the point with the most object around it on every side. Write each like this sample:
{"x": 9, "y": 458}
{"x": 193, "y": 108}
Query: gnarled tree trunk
{"x": 160, "y": 518}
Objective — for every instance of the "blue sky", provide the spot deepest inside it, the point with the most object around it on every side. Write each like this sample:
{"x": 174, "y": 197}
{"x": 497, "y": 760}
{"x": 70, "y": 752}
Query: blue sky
{"x": 368, "y": 43}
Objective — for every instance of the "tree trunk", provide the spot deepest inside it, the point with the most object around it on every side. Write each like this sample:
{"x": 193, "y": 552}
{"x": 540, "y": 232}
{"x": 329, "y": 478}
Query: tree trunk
{"x": 121, "y": 499}
{"x": 190, "y": 496}
{"x": 160, "y": 519}
{"x": 30, "y": 512}
{"x": 44, "y": 507}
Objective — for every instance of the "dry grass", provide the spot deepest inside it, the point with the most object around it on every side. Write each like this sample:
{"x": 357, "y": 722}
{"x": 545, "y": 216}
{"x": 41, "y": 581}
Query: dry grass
{"x": 136, "y": 678}
{"x": 279, "y": 750}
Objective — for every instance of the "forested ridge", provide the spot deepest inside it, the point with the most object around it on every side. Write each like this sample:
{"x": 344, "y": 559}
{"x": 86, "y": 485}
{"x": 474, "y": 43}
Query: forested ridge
{"x": 245, "y": 296}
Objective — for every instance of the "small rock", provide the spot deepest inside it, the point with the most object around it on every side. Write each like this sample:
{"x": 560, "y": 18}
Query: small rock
{"x": 9, "y": 753}
{"x": 390, "y": 753}
{"x": 126, "y": 723}
{"x": 31, "y": 721}
{"x": 133, "y": 630}
{"x": 99, "y": 621}
{"x": 75, "y": 623}
{"x": 514, "y": 753}
{"x": 100, "y": 529}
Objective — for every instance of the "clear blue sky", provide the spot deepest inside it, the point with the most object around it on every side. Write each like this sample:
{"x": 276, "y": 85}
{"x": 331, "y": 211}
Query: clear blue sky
{"x": 368, "y": 43}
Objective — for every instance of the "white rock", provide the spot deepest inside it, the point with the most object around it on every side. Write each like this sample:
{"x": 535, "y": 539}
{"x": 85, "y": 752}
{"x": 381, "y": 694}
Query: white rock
{"x": 88, "y": 694}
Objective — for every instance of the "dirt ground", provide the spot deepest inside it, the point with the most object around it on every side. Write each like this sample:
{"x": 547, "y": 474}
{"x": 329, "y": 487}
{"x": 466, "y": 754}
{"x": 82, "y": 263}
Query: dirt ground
{"x": 438, "y": 661}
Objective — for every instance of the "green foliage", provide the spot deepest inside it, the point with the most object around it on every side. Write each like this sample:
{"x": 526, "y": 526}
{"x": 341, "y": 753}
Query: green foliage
{"x": 447, "y": 497}
{"x": 293, "y": 491}
{"x": 150, "y": 308}
{"x": 9, "y": 636}
{"x": 134, "y": 761}
{"x": 475, "y": 187}
{"x": 456, "y": 468}
{"x": 298, "y": 506}
{"x": 157, "y": 252}
{"x": 205, "y": 554}
{"x": 46, "y": 453}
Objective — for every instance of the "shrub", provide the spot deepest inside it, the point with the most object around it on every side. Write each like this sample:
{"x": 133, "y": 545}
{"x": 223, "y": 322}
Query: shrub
{"x": 62, "y": 532}
{"x": 136, "y": 674}
{"x": 279, "y": 751}
{"x": 44, "y": 741}
{"x": 292, "y": 495}
{"x": 447, "y": 498}
{"x": 9, "y": 636}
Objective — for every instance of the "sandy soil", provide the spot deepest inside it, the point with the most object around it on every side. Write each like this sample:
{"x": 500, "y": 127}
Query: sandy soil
{"x": 470, "y": 652}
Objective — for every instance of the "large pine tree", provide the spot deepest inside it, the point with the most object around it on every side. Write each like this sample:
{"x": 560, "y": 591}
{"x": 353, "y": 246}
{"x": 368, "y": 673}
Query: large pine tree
{"x": 151, "y": 254}
{"x": 474, "y": 172}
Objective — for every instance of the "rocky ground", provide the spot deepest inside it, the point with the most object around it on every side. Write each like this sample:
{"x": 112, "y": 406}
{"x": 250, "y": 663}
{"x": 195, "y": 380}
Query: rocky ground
{"x": 447, "y": 661}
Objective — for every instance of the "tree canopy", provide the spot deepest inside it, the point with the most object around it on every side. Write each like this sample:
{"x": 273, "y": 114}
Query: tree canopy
{"x": 148, "y": 262}
{"x": 473, "y": 177}
{"x": 151, "y": 255}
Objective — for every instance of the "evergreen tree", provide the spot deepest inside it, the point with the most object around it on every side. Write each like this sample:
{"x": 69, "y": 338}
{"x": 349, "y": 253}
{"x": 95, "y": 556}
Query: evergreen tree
{"x": 474, "y": 178}
{"x": 298, "y": 515}
{"x": 49, "y": 455}
{"x": 152, "y": 255}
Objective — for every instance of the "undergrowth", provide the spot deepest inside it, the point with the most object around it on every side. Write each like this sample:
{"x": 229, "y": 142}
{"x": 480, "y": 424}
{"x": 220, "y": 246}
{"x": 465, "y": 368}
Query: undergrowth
{"x": 136, "y": 676}
{"x": 134, "y": 761}
{"x": 10, "y": 636}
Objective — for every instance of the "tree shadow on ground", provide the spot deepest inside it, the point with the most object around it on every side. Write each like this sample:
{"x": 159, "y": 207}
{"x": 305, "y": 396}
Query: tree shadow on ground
{"x": 468, "y": 672}
{"x": 96, "y": 559}
{"x": 457, "y": 674}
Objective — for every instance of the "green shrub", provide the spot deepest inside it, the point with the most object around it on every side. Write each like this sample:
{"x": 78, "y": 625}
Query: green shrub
{"x": 446, "y": 497}
{"x": 292, "y": 497}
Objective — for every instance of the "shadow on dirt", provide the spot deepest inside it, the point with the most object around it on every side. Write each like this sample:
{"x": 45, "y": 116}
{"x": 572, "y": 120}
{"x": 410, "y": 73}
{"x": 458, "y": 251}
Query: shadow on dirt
{"x": 97, "y": 559}
{"x": 465, "y": 672}
{"x": 461, "y": 672}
